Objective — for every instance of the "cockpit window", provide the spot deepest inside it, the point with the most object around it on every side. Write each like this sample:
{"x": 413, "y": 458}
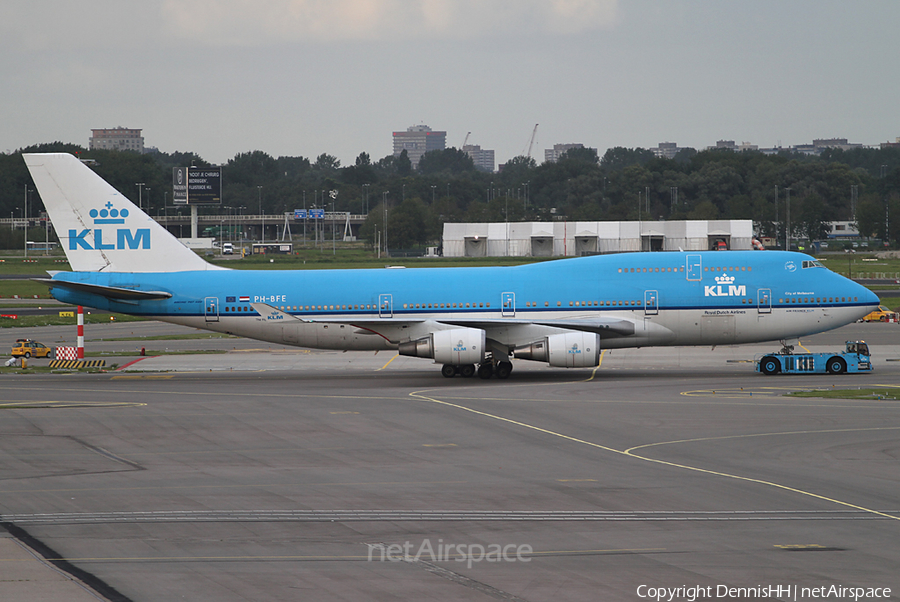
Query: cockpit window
{"x": 812, "y": 264}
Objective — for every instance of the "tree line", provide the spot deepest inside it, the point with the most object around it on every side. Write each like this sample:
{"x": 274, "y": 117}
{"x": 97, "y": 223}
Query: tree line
{"x": 623, "y": 184}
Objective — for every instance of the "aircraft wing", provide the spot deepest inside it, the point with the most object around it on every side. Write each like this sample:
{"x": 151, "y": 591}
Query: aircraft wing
{"x": 605, "y": 327}
{"x": 272, "y": 314}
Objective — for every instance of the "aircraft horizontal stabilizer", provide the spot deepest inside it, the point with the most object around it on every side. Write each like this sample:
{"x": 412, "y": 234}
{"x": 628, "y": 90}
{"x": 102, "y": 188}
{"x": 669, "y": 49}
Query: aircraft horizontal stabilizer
{"x": 110, "y": 292}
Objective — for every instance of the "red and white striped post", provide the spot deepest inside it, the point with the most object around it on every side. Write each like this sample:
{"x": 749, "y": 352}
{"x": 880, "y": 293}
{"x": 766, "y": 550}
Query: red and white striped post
{"x": 80, "y": 332}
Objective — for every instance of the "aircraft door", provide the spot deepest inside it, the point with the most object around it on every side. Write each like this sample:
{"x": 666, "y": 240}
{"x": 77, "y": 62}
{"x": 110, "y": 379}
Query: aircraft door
{"x": 385, "y": 305}
{"x": 211, "y": 309}
{"x": 651, "y": 303}
{"x": 508, "y": 305}
{"x": 694, "y": 267}
{"x": 764, "y": 301}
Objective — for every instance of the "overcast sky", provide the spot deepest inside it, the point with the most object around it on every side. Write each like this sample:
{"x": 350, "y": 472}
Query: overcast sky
{"x": 303, "y": 77}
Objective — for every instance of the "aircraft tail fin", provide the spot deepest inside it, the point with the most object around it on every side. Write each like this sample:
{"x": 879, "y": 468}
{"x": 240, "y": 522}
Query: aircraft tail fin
{"x": 98, "y": 227}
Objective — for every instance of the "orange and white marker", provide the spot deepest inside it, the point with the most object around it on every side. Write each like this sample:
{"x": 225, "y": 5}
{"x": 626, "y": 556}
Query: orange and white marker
{"x": 80, "y": 332}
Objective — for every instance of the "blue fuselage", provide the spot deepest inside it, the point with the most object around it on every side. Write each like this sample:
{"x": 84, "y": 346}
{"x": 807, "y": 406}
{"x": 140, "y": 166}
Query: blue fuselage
{"x": 767, "y": 295}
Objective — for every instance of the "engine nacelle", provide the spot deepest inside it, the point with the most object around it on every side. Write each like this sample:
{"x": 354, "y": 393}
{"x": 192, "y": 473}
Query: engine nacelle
{"x": 569, "y": 350}
{"x": 456, "y": 347}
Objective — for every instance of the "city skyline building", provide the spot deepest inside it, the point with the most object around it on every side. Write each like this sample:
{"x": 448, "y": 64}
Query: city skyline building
{"x": 666, "y": 150}
{"x": 418, "y": 140}
{"x": 482, "y": 158}
{"x": 117, "y": 138}
{"x": 552, "y": 155}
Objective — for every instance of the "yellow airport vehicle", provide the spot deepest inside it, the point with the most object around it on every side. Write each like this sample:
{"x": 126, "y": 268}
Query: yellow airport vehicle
{"x": 882, "y": 314}
{"x": 29, "y": 348}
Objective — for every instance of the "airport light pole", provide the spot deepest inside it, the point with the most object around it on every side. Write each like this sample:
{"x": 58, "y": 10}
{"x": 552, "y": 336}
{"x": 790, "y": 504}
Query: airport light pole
{"x": 47, "y": 234}
{"x": 241, "y": 221}
{"x": 140, "y": 186}
{"x": 26, "y": 221}
{"x": 776, "y": 215}
{"x": 384, "y": 209}
{"x": 332, "y": 226}
{"x": 787, "y": 218}
{"x": 262, "y": 233}
{"x": 506, "y": 215}
{"x": 887, "y": 219}
{"x": 640, "y": 224}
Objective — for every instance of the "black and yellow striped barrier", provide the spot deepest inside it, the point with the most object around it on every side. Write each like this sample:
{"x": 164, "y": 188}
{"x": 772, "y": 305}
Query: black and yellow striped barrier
{"x": 77, "y": 364}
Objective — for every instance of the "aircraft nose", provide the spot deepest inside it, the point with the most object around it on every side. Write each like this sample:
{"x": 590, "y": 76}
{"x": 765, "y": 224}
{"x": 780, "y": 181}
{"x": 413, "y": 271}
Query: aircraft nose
{"x": 868, "y": 297}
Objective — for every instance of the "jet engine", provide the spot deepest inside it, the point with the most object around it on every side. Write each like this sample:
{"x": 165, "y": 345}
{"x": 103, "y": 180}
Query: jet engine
{"x": 569, "y": 350}
{"x": 455, "y": 347}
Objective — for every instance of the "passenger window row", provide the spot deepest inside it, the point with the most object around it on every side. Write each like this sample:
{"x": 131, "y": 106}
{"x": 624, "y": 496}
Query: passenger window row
{"x": 649, "y": 270}
{"x": 728, "y": 269}
{"x": 818, "y": 300}
{"x": 445, "y": 305}
{"x": 310, "y": 307}
{"x": 588, "y": 303}
{"x": 681, "y": 269}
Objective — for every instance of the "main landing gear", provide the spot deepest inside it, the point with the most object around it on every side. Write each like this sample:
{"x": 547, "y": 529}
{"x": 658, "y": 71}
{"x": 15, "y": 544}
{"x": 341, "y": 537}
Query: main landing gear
{"x": 466, "y": 370}
{"x": 486, "y": 370}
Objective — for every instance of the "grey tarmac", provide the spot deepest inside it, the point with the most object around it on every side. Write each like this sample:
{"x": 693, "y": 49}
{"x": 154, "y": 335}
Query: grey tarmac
{"x": 272, "y": 473}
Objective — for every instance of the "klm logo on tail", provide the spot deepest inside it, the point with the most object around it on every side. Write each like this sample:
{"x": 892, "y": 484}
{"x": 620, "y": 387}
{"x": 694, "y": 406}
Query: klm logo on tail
{"x": 725, "y": 287}
{"x": 124, "y": 238}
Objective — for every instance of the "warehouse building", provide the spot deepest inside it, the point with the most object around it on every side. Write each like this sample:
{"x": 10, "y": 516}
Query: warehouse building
{"x": 573, "y": 239}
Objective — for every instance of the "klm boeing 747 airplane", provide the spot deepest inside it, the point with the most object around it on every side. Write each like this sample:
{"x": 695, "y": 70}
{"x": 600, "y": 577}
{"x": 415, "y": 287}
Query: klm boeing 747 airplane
{"x": 469, "y": 320}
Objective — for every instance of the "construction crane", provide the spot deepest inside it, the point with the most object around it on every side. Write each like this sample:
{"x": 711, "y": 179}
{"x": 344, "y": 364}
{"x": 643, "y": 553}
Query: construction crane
{"x": 530, "y": 144}
{"x": 467, "y": 139}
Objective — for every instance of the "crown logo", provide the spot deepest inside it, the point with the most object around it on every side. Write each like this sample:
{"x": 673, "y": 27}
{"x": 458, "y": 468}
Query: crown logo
{"x": 109, "y": 215}
{"x": 724, "y": 279}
